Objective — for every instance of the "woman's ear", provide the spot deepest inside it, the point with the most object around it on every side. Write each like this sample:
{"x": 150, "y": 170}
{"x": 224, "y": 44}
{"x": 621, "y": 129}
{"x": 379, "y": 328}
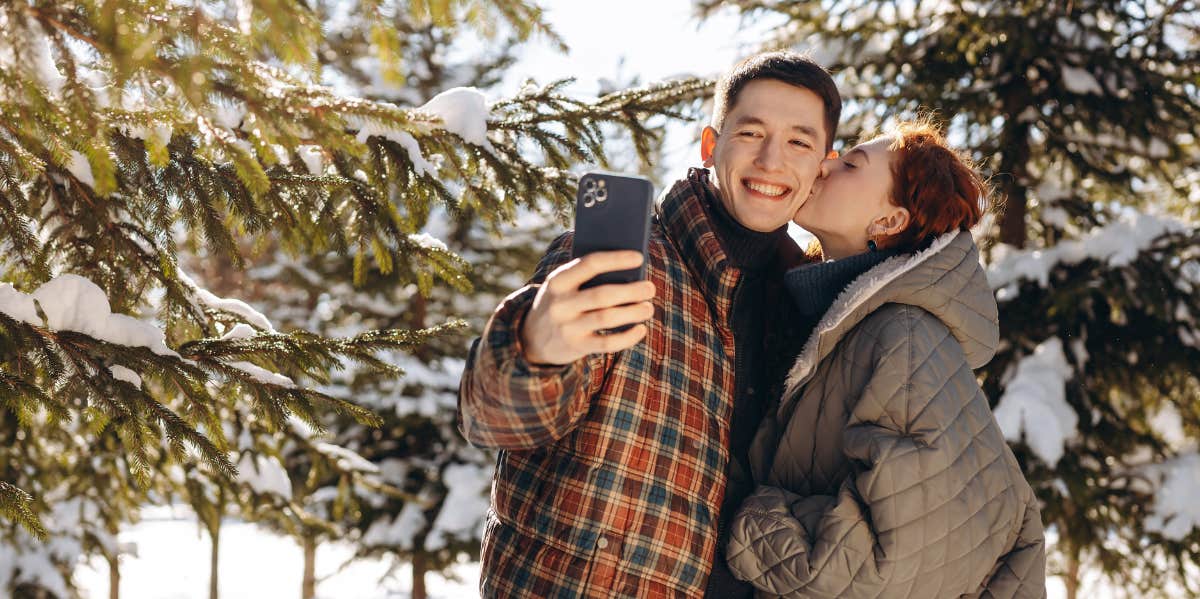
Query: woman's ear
{"x": 708, "y": 144}
{"x": 892, "y": 222}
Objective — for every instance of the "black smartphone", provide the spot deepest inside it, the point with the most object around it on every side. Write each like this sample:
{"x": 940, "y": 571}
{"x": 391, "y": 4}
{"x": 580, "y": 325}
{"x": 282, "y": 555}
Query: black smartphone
{"x": 612, "y": 212}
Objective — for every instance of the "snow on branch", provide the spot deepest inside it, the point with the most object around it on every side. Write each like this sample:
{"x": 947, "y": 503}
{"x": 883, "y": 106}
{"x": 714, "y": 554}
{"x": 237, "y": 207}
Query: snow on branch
{"x": 233, "y": 306}
{"x": 1175, "y": 512}
{"x": 1117, "y": 244}
{"x": 1034, "y": 407}
{"x": 73, "y": 303}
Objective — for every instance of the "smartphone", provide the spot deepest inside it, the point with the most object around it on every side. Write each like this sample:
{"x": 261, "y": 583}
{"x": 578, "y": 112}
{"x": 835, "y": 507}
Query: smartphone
{"x": 612, "y": 212}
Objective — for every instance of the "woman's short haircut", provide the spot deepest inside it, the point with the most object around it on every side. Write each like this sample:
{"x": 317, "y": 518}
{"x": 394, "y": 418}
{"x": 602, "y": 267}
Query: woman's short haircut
{"x": 939, "y": 186}
{"x": 785, "y": 66}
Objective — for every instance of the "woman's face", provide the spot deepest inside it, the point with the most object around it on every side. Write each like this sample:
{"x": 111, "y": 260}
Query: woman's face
{"x": 851, "y": 199}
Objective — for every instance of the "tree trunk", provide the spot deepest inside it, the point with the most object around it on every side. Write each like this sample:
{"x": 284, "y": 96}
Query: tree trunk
{"x": 1015, "y": 141}
{"x": 1072, "y": 576}
{"x": 215, "y": 532}
{"x": 114, "y": 577}
{"x": 308, "y": 586}
{"x": 418, "y": 573}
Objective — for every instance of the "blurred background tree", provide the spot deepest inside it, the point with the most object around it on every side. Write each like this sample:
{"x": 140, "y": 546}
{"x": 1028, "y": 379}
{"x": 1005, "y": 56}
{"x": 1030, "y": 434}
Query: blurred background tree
{"x": 271, "y": 150}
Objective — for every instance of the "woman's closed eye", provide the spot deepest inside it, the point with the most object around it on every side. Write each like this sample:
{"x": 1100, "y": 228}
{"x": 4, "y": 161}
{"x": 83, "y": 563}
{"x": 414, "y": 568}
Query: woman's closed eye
{"x": 849, "y": 164}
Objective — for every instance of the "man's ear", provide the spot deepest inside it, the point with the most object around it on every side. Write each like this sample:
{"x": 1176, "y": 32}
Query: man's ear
{"x": 832, "y": 155}
{"x": 708, "y": 143}
{"x": 894, "y": 221}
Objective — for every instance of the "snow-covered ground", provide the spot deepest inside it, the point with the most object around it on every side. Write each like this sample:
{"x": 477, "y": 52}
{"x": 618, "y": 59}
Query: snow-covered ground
{"x": 173, "y": 554}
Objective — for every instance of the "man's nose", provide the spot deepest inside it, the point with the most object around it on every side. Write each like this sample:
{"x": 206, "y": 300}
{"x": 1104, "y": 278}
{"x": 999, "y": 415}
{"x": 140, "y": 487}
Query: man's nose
{"x": 770, "y": 156}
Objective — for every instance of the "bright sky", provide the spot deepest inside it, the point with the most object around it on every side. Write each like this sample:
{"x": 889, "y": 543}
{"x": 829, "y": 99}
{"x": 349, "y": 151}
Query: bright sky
{"x": 648, "y": 39}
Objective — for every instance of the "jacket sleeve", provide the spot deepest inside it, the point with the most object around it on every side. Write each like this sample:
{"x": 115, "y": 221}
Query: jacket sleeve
{"x": 505, "y": 402}
{"x": 930, "y": 505}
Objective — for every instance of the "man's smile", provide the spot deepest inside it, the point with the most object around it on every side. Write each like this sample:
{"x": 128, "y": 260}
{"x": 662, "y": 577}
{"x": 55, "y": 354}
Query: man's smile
{"x": 765, "y": 188}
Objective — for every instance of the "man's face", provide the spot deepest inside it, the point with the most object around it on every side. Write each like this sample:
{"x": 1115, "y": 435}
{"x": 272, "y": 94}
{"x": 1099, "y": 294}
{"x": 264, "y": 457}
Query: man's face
{"x": 767, "y": 157}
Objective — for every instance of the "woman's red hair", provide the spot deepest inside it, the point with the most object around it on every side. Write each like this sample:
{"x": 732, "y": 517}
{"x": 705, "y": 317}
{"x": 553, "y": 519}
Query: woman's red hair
{"x": 936, "y": 184}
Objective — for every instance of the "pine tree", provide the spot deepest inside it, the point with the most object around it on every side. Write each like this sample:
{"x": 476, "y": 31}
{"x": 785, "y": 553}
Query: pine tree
{"x": 1084, "y": 116}
{"x": 424, "y": 502}
{"x": 139, "y": 138}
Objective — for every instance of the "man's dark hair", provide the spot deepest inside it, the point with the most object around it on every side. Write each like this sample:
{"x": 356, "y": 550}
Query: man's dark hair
{"x": 786, "y": 66}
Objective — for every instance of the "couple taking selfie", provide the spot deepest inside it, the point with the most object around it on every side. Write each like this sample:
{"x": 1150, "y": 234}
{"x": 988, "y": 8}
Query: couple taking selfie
{"x": 750, "y": 418}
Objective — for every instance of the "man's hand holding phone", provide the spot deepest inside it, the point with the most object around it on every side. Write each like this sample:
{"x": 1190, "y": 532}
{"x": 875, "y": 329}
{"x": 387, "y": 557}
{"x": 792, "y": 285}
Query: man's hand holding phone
{"x": 565, "y": 322}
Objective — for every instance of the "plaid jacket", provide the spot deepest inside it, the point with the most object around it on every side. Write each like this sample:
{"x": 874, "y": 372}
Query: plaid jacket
{"x": 611, "y": 470}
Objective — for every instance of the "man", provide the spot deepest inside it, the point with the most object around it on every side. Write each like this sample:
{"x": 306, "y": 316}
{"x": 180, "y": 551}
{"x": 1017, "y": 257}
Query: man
{"x": 623, "y": 456}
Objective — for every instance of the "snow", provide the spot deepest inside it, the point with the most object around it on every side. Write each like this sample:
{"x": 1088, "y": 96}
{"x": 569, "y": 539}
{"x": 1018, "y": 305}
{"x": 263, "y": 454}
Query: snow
{"x": 172, "y": 563}
{"x": 1167, "y": 423}
{"x": 17, "y": 305}
{"x": 346, "y": 458}
{"x": 466, "y": 502}
{"x": 73, "y": 303}
{"x": 464, "y": 112}
{"x": 42, "y": 57}
{"x": 233, "y": 306}
{"x": 263, "y": 375}
{"x": 240, "y": 330}
{"x": 314, "y": 159}
{"x": 1080, "y": 81}
{"x": 396, "y": 532}
{"x": 1034, "y": 407}
{"x": 1175, "y": 511}
{"x": 1118, "y": 244}
{"x": 81, "y": 169}
{"x": 421, "y": 165}
{"x": 122, "y": 373}
{"x": 25, "y": 559}
{"x": 264, "y": 475}
{"x": 1056, "y": 217}
{"x": 426, "y": 240}
{"x": 229, "y": 114}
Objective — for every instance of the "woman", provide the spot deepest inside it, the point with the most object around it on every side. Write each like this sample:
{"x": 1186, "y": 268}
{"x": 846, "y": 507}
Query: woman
{"x": 882, "y": 472}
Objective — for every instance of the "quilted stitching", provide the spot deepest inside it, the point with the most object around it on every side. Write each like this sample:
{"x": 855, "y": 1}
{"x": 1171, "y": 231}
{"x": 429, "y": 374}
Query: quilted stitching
{"x": 926, "y": 499}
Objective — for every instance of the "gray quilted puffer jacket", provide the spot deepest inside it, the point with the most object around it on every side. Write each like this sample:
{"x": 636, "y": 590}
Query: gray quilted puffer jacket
{"x": 883, "y": 473}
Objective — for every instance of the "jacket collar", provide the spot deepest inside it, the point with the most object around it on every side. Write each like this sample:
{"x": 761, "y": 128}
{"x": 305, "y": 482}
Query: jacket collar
{"x": 689, "y": 227}
{"x": 945, "y": 279}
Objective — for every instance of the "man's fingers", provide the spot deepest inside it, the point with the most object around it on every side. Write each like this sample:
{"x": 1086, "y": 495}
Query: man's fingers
{"x": 607, "y": 344}
{"x": 571, "y": 275}
{"x": 610, "y": 318}
{"x": 607, "y": 296}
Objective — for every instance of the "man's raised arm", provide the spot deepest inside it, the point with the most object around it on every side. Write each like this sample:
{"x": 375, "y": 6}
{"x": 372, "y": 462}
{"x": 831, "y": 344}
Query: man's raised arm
{"x": 530, "y": 376}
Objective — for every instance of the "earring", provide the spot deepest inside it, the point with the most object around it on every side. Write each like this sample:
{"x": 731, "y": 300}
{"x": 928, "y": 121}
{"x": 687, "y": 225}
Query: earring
{"x": 871, "y": 245}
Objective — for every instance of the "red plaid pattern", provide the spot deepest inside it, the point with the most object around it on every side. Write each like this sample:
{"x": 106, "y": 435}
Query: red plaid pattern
{"x": 611, "y": 470}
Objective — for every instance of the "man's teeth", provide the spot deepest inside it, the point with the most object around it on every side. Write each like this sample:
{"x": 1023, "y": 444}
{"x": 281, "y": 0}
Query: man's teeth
{"x": 766, "y": 189}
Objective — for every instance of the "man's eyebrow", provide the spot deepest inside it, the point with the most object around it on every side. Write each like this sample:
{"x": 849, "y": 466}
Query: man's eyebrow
{"x": 805, "y": 129}
{"x": 859, "y": 151}
{"x": 747, "y": 119}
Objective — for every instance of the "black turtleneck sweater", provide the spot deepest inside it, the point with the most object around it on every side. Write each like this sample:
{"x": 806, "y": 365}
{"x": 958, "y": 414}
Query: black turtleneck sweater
{"x": 764, "y": 354}
{"x": 758, "y": 295}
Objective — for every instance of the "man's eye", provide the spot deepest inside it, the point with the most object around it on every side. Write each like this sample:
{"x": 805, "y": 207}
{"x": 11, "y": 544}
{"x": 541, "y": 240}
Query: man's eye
{"x": 801, "y": 143}
{"x": 748, "y": 133}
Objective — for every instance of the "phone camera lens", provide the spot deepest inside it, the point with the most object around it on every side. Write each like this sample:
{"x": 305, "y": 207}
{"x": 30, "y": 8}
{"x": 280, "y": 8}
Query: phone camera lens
{"x": 590, "y": 185}
{"x": 601, "y": 195}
